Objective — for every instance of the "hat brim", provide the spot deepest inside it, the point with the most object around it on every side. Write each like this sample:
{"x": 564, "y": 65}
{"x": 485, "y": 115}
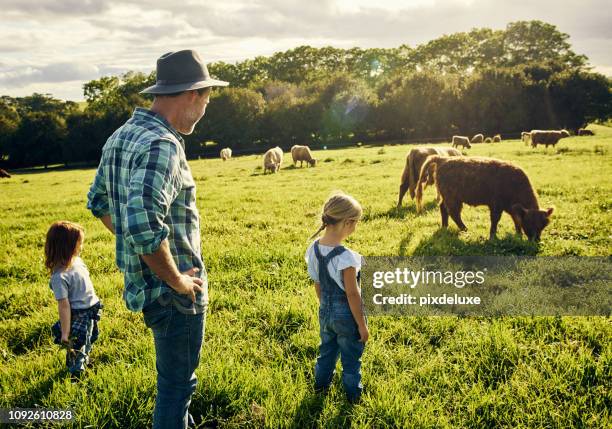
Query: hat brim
{"x": 170, "y": 89}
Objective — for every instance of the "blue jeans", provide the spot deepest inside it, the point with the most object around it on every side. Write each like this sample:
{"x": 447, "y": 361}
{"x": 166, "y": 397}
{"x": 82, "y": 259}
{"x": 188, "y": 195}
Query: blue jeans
{"x": 77, "y": 362}
{"x": 178, "y": 340}
{"x": 339, "y": 337}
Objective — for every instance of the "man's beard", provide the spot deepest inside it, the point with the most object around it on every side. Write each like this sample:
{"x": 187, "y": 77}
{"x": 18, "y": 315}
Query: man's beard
{"x": 192, "y": 116}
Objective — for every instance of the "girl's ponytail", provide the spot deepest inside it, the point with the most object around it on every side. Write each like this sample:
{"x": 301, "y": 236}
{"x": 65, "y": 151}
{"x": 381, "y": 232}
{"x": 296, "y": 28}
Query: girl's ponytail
{"x": 338, "y": 207}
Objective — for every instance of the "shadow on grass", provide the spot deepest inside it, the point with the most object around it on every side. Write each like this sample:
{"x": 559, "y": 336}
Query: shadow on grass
{"x": 38, "y": 392}
{"x": 21, "y": 344}
{"x": 452, "y": 242}
{"x": 308, "y": 411}
{"x": 398, "y": 212}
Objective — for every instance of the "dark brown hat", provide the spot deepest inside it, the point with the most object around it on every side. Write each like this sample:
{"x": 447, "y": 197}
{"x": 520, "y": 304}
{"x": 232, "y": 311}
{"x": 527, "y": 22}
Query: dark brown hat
{"x": 181, "y": 71}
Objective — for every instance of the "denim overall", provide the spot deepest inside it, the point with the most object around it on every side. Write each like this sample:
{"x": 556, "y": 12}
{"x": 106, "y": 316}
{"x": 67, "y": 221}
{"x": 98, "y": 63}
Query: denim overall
{"x": 338, "y": 331}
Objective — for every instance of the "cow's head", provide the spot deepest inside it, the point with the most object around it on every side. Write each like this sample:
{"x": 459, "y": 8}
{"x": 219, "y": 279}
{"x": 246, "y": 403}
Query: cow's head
{"x": 532, "y": 221}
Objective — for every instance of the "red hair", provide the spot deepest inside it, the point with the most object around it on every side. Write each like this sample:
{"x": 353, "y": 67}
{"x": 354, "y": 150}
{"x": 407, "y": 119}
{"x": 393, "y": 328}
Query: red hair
{"x": 62, "y": 244}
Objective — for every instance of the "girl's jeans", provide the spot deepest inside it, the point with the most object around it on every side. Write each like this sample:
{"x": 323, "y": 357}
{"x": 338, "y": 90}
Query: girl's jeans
{"x": 339, "y": 337}
{"x": 178, "y": 339}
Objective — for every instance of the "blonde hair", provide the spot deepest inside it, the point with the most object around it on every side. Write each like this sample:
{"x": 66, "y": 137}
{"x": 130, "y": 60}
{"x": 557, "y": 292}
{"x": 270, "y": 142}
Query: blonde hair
{"x": 339, "y": 207}
{"x": 62, "y": 244}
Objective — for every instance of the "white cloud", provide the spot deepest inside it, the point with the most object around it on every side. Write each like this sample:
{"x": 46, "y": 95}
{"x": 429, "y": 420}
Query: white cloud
{"x": 92, "y": 38}
{"x": 58, "y": 72}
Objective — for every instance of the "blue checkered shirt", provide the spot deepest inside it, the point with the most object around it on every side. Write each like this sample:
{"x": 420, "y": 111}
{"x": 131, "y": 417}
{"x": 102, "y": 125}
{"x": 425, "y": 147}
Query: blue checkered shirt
{"x": 145, "y": 184}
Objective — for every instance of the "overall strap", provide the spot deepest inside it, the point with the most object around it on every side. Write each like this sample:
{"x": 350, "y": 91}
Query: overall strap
{"x": 325, "y": 279}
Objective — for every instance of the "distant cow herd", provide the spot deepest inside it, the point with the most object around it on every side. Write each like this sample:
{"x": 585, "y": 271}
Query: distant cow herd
{"x": 475, "y": 181}
{"x": 478, "y": 181}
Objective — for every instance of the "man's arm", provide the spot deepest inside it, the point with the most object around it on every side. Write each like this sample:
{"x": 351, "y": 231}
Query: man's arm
{"x": 162, "y": 264}
{"x": 154, "y": 184}
{"x": 97, "y": 198}
{"x": 108, "y": 223}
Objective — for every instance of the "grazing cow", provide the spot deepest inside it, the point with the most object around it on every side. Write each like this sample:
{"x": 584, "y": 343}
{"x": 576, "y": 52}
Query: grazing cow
{"x": 585, "y": 132}
{"x": 496, "y": 138}
{"x": 501, "y": 186}
{"x": 415, "y": 159}
{"x": 226, "y": 153}
{"x": 4, "y": 174}
{"x": 488, "y": 140}
{"x": 525, "y": 137}
{"x": 478, "y": 138}
{"x": 547, "y": 137}
{"x": 302, "y": 153}
{"x": 273, "y": 159}
{"x": 461, "y": 141}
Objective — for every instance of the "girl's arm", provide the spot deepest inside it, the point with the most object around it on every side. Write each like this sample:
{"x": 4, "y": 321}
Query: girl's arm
{"x": 63, "y": 306}
{"x": 318, "y": 289}
{"x": 354, "y": 298}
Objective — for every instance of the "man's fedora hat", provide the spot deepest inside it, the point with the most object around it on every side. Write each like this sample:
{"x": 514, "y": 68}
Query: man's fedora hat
{"x": 181, "y": 71}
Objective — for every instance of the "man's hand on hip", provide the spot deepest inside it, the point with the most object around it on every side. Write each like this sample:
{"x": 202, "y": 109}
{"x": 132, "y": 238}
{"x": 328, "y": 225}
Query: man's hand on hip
{"x": 162, "y": 264}
{"x": 188, "y": 284}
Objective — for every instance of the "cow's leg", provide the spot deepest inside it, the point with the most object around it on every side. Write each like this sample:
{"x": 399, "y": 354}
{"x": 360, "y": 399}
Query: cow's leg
{"x": 454, "y": 210}
{"x": 402, "y": 191}
{"x": 444, "y": 215}
{"x": 517, "y": 222}
{"x": 495, "y": 216}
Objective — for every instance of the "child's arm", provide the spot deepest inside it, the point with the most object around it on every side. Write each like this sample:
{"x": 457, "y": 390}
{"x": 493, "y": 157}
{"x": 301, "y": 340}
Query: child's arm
{"x": 354, "y": 298}
{"x": 63, "y": 306}
{"x": 318, "y": 289}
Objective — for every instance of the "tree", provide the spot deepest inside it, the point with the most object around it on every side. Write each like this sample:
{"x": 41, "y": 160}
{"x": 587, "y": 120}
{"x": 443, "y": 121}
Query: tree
{"x": 580, "y": 97}
{"x": 38, "y": 140}
{"x": 232, "y": 120}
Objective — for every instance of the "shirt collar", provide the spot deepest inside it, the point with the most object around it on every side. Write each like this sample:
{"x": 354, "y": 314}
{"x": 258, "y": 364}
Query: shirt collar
{"x": 146, "y": 114}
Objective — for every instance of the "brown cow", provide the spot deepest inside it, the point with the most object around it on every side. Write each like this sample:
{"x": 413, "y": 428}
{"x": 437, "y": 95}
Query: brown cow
{"x": 501, "y": 186}
{"x": 4, "y": 174}
{"x": 415, "y": 159}
{"x": 585, "y": 132}
{"x": 547, "y": 137}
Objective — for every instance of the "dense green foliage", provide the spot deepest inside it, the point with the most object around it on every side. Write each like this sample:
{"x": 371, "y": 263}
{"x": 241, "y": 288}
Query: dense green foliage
{"x": 261, "y": 334}
{"x": 506, "y": 81}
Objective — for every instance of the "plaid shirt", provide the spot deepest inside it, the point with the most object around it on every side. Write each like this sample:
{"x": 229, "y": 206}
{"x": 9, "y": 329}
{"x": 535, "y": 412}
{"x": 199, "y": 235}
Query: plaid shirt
{"x": 145, "y": 184}
{"x": 80, "y": 321}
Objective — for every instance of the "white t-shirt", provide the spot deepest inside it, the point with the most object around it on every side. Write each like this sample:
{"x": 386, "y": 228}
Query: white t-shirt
{"x": 338, "y": 263}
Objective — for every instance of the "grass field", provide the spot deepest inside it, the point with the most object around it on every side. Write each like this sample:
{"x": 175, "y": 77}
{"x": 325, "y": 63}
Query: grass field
{"x": 262, "y": 330}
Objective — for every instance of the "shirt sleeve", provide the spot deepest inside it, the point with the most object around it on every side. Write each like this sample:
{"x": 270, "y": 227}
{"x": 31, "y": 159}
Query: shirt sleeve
{"x": 313, "y": 264}
{"x": 349, "y": 259}
{"x": 154, "y": 184}
{"x": 97, "y": 197}
{"x": 59, "y": 286}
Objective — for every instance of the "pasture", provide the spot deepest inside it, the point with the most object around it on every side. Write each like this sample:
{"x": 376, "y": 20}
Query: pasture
{"x": 262, "y": 331}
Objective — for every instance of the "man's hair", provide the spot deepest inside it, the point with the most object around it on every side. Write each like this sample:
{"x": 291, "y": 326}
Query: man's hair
{"x": 201, "y": 92}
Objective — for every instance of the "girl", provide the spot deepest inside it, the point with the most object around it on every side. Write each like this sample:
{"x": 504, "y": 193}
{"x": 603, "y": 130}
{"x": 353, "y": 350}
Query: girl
{"x": 78, "y": 304}
{"x": 342, "y": 323}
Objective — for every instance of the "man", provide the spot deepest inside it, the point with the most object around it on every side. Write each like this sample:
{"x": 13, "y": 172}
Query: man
{"x": 144, "y": 193}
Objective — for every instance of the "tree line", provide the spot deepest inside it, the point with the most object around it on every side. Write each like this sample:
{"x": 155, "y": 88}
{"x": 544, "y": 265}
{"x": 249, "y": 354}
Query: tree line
{"x": 491, "y": 81}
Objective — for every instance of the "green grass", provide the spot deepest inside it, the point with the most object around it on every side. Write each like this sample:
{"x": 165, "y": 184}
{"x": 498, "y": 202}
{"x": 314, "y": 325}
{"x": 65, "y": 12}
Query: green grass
{"x": 261, "y": 333}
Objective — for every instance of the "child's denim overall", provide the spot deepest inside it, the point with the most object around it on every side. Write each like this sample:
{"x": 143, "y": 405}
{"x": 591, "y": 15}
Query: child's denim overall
{"x": 339, "y": 332}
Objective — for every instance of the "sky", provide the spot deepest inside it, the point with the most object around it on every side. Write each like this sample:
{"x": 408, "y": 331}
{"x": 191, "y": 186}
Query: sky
{"x": 55, "y": 47}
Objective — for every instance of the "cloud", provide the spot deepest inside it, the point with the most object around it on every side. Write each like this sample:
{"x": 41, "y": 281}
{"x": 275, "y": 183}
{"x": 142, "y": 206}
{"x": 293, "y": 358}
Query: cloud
{"x": 59, "y": 72}
{"x": 63, "y": 7}
{"x": 50, "y": 42}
